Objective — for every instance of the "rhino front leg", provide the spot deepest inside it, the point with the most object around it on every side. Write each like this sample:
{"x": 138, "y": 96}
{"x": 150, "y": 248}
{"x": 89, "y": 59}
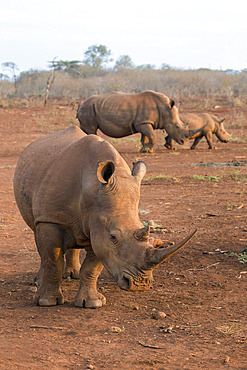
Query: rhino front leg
{"x": 209, "y": 138}
{"x": 147, "y": 132}
{"x": 72, "y": 266}
{"x": 196, "y": 141}
{"x": 87, "y": 295}
{"x": 49, "y": 240}
{"x": 169, "y": 144}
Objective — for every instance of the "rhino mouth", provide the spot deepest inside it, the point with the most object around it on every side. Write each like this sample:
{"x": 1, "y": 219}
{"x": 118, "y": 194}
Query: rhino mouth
{"x": 127, "y": 282}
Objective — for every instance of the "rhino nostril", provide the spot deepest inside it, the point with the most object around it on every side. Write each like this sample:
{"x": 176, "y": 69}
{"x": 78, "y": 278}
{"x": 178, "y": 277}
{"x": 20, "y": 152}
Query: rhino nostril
{"x": 182, "y": 142}
{"x": 125, "y": 282}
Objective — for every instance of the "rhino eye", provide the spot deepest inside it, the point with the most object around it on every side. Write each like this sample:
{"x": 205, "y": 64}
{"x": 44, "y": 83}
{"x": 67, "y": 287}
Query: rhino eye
{"x": 114, "y": 239}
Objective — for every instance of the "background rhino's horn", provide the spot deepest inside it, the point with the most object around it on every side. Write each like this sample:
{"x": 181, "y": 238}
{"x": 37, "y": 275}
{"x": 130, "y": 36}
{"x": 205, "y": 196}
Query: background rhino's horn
{"x": 155, "y": 256}
{"x": 142, "y": 233}
{"x": 193, "y": 132}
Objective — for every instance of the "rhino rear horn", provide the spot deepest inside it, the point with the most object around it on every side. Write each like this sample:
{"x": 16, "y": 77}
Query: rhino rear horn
{"x": 143, "y": 233}
{"x": 155, "y": 256}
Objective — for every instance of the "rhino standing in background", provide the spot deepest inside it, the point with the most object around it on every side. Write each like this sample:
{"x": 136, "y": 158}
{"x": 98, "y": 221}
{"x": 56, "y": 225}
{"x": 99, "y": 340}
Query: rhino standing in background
{"x": 119, "y": 114}
{"x": 196, "y": 120}
{"x": 75, "y": 191}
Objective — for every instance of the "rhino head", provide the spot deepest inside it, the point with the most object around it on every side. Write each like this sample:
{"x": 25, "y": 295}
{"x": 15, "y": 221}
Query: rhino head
{"x": 117, "y": 235}
{"x": 221, "y": 133}
{"x": 176, "y": 129}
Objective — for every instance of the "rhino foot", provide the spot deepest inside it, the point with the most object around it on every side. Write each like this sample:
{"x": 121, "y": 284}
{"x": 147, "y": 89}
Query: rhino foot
{"x": 72, "y": 273}
{"x": 93, "y": 301}
{"x": 170, "y": 147}
{"x": 146, "y": 150}
{"x": 48, "y": 299}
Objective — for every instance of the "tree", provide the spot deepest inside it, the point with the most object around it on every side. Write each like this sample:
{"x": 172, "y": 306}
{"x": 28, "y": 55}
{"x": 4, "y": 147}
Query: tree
{"x": 124, "y": 61}
{"x": 70, "y": 67}
{"x": 12, "y": 67}
{"x": 97, "y": 55}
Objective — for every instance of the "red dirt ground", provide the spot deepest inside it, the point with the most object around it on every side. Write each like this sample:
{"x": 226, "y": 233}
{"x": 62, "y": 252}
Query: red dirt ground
{"x": 201, "y": 290}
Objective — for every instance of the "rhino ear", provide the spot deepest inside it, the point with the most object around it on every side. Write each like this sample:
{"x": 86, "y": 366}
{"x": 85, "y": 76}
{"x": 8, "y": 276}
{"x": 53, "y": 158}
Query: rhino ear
{"x": 139, "y": 170}
{"x": 171, "y": 103}
{"x": 105, "y": 171}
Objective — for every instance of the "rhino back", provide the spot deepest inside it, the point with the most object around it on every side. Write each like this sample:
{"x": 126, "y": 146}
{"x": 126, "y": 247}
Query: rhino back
{"x": 53, "y": 189}
{"x": 197, "y": 120}
{"x": 118, "y": 114}
{"x": 33, "y": 164}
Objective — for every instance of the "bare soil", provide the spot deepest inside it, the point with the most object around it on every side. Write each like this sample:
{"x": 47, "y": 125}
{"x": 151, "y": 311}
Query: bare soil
{"x": 201, "y": 289}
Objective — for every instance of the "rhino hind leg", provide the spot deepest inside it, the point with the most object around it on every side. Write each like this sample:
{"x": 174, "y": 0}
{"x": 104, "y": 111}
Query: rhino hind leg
{"x": 49, "y": 239}
{"x": 87, "y": 295}
{"x": 72, "y": 266}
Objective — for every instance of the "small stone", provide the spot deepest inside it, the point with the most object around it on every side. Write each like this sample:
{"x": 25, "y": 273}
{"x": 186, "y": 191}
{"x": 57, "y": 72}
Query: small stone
{"x": 90, "y": 367}
{"x": 227, "y": 359}
{"x": 136, "y": 307}
{"x": 33, "y": 288}
{"x": 157, "y": 315}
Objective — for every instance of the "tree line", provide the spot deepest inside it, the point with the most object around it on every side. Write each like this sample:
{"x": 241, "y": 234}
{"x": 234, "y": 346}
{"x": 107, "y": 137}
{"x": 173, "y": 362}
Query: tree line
{"x": 96, "y": 74}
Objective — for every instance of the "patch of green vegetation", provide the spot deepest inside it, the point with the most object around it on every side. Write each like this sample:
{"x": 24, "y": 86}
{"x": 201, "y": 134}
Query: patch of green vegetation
{"x": 124, "y": 140}
{"x": 206, "y": 178}
{"x": 237, "y": 139}
{"x": 156, "y": 226}
{"x": 237, "y": 176}
{"x": 160, "y": 176}
{"x": 242, "y": 256}
{"x": 174, "y": 152}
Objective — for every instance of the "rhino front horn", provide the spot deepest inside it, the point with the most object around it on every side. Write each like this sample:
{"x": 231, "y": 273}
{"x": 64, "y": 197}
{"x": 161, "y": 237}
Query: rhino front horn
{"x": 155, "y": 256}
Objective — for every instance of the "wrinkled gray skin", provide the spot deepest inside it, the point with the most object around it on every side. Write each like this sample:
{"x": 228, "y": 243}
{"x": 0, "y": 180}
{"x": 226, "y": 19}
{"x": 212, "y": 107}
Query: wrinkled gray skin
{"x": 119, "y": 114}
{"x": 196, "y": 120}
{"x": 75, "y": 191}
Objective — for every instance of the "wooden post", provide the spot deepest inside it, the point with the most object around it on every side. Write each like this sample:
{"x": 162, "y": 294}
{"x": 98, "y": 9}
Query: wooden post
{"x": 49, "y": 85}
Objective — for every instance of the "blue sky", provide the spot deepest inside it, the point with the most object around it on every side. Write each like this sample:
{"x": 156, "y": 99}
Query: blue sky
{"x": 183, "y": 34}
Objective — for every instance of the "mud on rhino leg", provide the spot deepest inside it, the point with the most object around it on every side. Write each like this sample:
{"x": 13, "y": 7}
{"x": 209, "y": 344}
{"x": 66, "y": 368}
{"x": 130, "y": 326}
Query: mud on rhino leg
{"x": 87, "y": 295}
{"x": 72, "y": 266}
{"x": 146, "y": 130}
{"x": 49, "y": 240}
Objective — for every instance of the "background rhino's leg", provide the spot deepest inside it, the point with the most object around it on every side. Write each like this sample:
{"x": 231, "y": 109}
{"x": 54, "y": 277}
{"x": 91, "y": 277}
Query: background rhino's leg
{"x": 87, "y": 295}
{"x": 144, "y": 140}
{"x": 196, "y": 141}
{"x": 49, "y": 240}
{"x": 169, "y": 144}
{"x": 146, "y": 130}
{"x": 72, "y": 266}
{"x": 209, "y": 138}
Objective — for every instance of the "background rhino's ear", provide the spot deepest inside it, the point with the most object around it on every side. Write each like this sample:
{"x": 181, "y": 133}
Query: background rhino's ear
{"x": 105, "y": 171}
{"x": 139, "y": 170}
{"x": 171, "y": 103}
